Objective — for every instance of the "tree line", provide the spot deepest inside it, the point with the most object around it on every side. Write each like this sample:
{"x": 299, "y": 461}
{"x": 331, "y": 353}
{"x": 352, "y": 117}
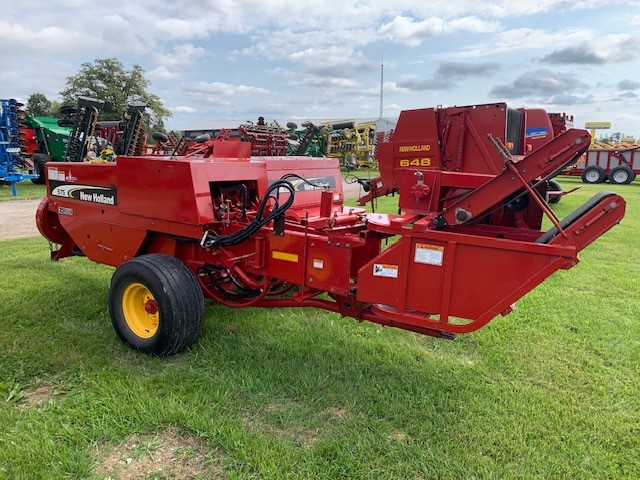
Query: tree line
{"x": 616, "y": 138}
{"x": 107, "y": 80}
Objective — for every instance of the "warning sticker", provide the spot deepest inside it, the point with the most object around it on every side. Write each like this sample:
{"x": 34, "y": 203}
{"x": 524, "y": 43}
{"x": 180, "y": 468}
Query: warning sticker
{"x": 319, "y": 264}
{"x": 53, "y": 174}
{"x": 429, "y": 254}
{"x": 382, "y": 270}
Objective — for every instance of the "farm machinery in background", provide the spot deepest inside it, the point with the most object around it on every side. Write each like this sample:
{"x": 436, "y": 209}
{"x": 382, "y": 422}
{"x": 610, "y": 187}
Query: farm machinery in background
{"x": 273, "y": 231}
{"x": 165, "y": 143}
{"x": 45, "y": 139}
{"x": 310, "y": 140}
{"x": 91, "y": 139}
{"x": 353, "y": 143}
{"x": 127, "y": 136}
{"x": 265, "y": 139}
{"x": 13, "y": 168}
{"x": 449, "y": 139}
{"x": 619, "y": 163}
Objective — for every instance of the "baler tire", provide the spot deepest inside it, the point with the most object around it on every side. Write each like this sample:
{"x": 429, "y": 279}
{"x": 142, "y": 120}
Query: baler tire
{"x": 586, "y": 175}
{"x": 39, "y": 162}
{"x": 164, "y": 284}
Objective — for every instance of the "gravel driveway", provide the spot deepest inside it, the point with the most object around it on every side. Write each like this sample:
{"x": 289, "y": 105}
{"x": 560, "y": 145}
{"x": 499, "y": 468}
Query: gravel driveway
{"x": 17, "y": 217}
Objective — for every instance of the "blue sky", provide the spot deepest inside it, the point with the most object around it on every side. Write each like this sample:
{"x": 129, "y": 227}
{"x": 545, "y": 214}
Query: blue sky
{"x": 285, "y": 59}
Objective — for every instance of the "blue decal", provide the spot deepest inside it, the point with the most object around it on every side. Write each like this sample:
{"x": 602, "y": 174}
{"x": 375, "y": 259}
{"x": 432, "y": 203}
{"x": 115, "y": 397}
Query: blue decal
{"x": 535, "y": 132}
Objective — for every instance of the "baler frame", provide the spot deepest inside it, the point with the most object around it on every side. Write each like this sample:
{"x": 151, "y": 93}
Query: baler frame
{"x": 249, "y": 230}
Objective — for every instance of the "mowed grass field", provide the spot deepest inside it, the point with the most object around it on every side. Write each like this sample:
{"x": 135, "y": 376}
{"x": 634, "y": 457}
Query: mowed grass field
{"x": 550, "y": 391}
{"x": 26, "y": 191}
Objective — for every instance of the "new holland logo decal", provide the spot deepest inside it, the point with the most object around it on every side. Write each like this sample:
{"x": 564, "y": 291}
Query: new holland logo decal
{"x": 85, "y": 193}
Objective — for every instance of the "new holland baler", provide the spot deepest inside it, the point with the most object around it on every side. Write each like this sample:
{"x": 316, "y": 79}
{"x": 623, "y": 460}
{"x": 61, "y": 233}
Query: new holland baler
{"x": 273, "y": 232}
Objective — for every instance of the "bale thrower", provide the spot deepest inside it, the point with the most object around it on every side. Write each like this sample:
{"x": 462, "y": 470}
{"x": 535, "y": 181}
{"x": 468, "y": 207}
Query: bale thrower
{"x": 274, "y": 232}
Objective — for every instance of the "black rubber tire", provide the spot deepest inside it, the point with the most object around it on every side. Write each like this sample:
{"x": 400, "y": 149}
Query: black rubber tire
{"x": 179, "y": 299}
{"x": 621, "y": 175}
{"x": 39, "y": 162}
{"x": 292, "y": 125}
{"x": 588, "y": 175}
{"x": 65, "y": 122}
{"x": 159, "y": 137}
{"x": 68, "y": 109}
{"x": 555, "y": 187}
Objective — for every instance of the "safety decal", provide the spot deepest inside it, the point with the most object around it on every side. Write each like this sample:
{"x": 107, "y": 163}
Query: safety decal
{"x": 383, "y": 270}
{"x": 429, "y": 254}
{"x": 318, "y": 264}
{"x": 55, "y": 175}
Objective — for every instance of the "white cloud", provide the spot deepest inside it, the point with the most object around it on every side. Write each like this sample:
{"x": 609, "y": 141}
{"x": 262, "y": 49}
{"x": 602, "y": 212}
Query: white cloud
{"x": 178, "y": 28}
{"x": 221, "y": 88}
{"x": 527, "y": 38}
{"x": 412, "y": 32}
{"x": 182, "y": 56}
{"x": 172, "y": 65}
{"x": 472, "y": 24}
{"x": 163, "y": 72}
{"x": 183, "y": 109}
{"x": 618, "y": 48}
{"x": 47, "y": 40}
{"x": 278, "y": 45}
{"x": 313, "y": 55}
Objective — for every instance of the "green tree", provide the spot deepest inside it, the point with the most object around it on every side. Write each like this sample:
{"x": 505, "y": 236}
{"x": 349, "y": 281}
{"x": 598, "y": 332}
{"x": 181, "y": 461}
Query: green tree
{"x": 54, "y": 111}
{"x": 38, "y": 105}
{"x": 106, "y": 79}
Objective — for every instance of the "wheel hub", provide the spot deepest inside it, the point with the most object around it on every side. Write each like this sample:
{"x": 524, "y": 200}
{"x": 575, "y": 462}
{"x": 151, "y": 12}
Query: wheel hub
{"x": 151, "y": 307}
{"x": 140, "y": 310}
{"x": 620, "y": 177}
{"x": 592, "y": 176}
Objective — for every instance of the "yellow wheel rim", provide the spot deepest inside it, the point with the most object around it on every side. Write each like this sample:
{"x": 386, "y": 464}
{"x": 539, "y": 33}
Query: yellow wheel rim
{"x": 140, "y": 310}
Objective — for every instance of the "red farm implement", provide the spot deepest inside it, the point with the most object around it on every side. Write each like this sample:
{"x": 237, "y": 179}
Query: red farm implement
{"x": 454, "y": 139}
{"x": 619, "y": 164}
{"x": 273, "y": 232}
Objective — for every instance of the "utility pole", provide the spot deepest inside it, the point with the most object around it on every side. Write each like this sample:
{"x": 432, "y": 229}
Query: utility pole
{"x": 381, "y": 84}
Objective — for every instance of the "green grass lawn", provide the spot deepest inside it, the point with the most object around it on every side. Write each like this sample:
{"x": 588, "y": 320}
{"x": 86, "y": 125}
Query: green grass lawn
{"x": 26, "y": 191}
{"x": 550, "y": 391}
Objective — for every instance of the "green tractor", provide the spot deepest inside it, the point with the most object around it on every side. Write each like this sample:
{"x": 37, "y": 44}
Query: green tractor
{"x": 43, "y": 140}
